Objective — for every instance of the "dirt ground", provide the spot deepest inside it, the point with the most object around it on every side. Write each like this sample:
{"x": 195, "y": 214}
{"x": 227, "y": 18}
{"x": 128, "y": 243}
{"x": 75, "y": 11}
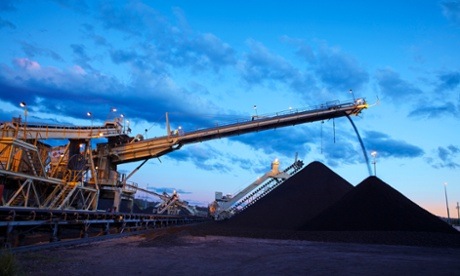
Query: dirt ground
{"x": 184, "y": 254}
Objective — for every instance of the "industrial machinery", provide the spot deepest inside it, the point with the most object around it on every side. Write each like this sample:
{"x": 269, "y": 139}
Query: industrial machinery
{"x": 75, "y": 187}
{"x": 75, "y": 176}
{"x": 227, "y": 206}
{"x": 170, "y": 204}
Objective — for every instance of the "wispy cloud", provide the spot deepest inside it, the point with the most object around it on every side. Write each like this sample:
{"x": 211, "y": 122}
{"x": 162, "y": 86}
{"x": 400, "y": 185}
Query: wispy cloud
{"x": 77, "y": 5}
{"x": 53, "y": 90}
{"x": 394, "y": 87}
{"x": 433, "y": 110}
{"x": 81, "y": 56}
{"x": 387, "y": 146}
{"x": 89, "y": 32}
{"x": 261, "y": 65}
{"x": 204, "y": 157}
{"x": 6, "y": 24}
{"x": 33, "y": 51}
{"x": 168, "y": 43}
{"x": 446, "y": 157}
{"x": 7, "y": 5}
{"x": 286, "y": 141}
{"x": 451, "y": 10}
{"x": 448, "y": 81}
{"x": 339, "y": 71}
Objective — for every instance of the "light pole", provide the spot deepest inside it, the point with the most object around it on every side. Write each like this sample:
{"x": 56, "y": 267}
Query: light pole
{"x": 374, "y": 155}
{"x": 90, "y": 115}
{"x": 255, "y": 109}
{"x": 123, "y": 119}
{"x": 458, "y": 214}
{"x": 112, "y": 113}
{"x": 352, "y": 94}
{"x": 24, "y": 105}
{"x": 447, "y": 203}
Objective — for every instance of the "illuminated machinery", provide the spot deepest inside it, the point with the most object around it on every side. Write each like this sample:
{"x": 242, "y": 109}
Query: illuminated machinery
{"x": 225, "y": 207}
{"x": 170, "y": 204}
{"x": 34, "y": 174}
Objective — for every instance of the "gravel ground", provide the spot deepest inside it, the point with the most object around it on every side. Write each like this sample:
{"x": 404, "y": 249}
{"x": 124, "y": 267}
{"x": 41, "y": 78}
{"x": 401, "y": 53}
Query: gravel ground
{"x": 186, "y": 250}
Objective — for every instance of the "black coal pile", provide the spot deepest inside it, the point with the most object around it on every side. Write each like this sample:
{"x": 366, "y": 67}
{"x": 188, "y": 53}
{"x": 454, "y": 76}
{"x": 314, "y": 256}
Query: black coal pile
{"x": 318, "y": 205}
{"x": 299, "y": 199}
{"x": 373, "y": 205}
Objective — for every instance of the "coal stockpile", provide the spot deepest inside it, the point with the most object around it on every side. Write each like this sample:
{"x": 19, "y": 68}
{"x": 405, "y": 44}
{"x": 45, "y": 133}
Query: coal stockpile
{"x": 318, "y": 205}
{"x": 297, "y": 200}
{"x": 373, "y": 205}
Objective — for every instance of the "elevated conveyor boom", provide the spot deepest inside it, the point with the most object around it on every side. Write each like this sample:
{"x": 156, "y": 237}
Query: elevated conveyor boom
{"x": 156, "y": 147}
{"x": 45, "y": 131}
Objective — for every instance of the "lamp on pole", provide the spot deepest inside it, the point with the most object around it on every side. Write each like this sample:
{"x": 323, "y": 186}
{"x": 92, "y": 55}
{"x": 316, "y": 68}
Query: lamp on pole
{"x": 90, "y": 115}
{"x": 112, "y": 113}
{"x": 374, "y": 161}
{"x": 447, "y": 203}
{"x": 352, "y": 94}
{"x": 123, "y": 119}
{"x": 24, "y": 105}
{"x": 255, "y": 110}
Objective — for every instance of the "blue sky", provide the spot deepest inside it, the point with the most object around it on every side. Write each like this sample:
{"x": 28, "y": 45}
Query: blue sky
{"x": 208, "y": 62}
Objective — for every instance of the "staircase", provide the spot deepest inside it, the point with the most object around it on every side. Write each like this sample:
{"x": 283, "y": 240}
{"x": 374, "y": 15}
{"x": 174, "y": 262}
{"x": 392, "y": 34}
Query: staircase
{"x": 19, "y": 200}
{"x": 264, "y": 189}
{"x": 63, "y": 196}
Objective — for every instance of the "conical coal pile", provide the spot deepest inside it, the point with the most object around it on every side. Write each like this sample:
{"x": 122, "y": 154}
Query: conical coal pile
{"x": 375, "y": 206}
{"x": 297, "y": 200}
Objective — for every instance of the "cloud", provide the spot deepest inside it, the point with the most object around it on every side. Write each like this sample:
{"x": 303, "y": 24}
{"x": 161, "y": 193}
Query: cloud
{"x": 162, "y": 42}
{"x": 389, "y": 147}
{"x": 204, "y": 51}
{"x": 52, "y": 90}
{"x": 434, "y": 110}
{"x": 122, "y": 56}
{"x": 76, "y": 5}
{"x": 6, "y": 24}
{"x": 328, "y": 70}
{"x": 128, "y": 18}
{"x": 392, "y": 86}
{"x": 338, "y": 71}
{"x": 342, "y": 151}
{"x": 261, "y": 65}
{"x": 283, "y": 141}
{"x": 89, "y": 32}
{"x": 446, "y": 157}
{"x": 448, "y": 81}
{"x": 451, "y": 10}
{"x": 81, "y": 57}
{"x": 7, "y": 5}
{"x": 34, "y": 51}
{"x": 438, "y": 104}
{"x": 204, "y": 157}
